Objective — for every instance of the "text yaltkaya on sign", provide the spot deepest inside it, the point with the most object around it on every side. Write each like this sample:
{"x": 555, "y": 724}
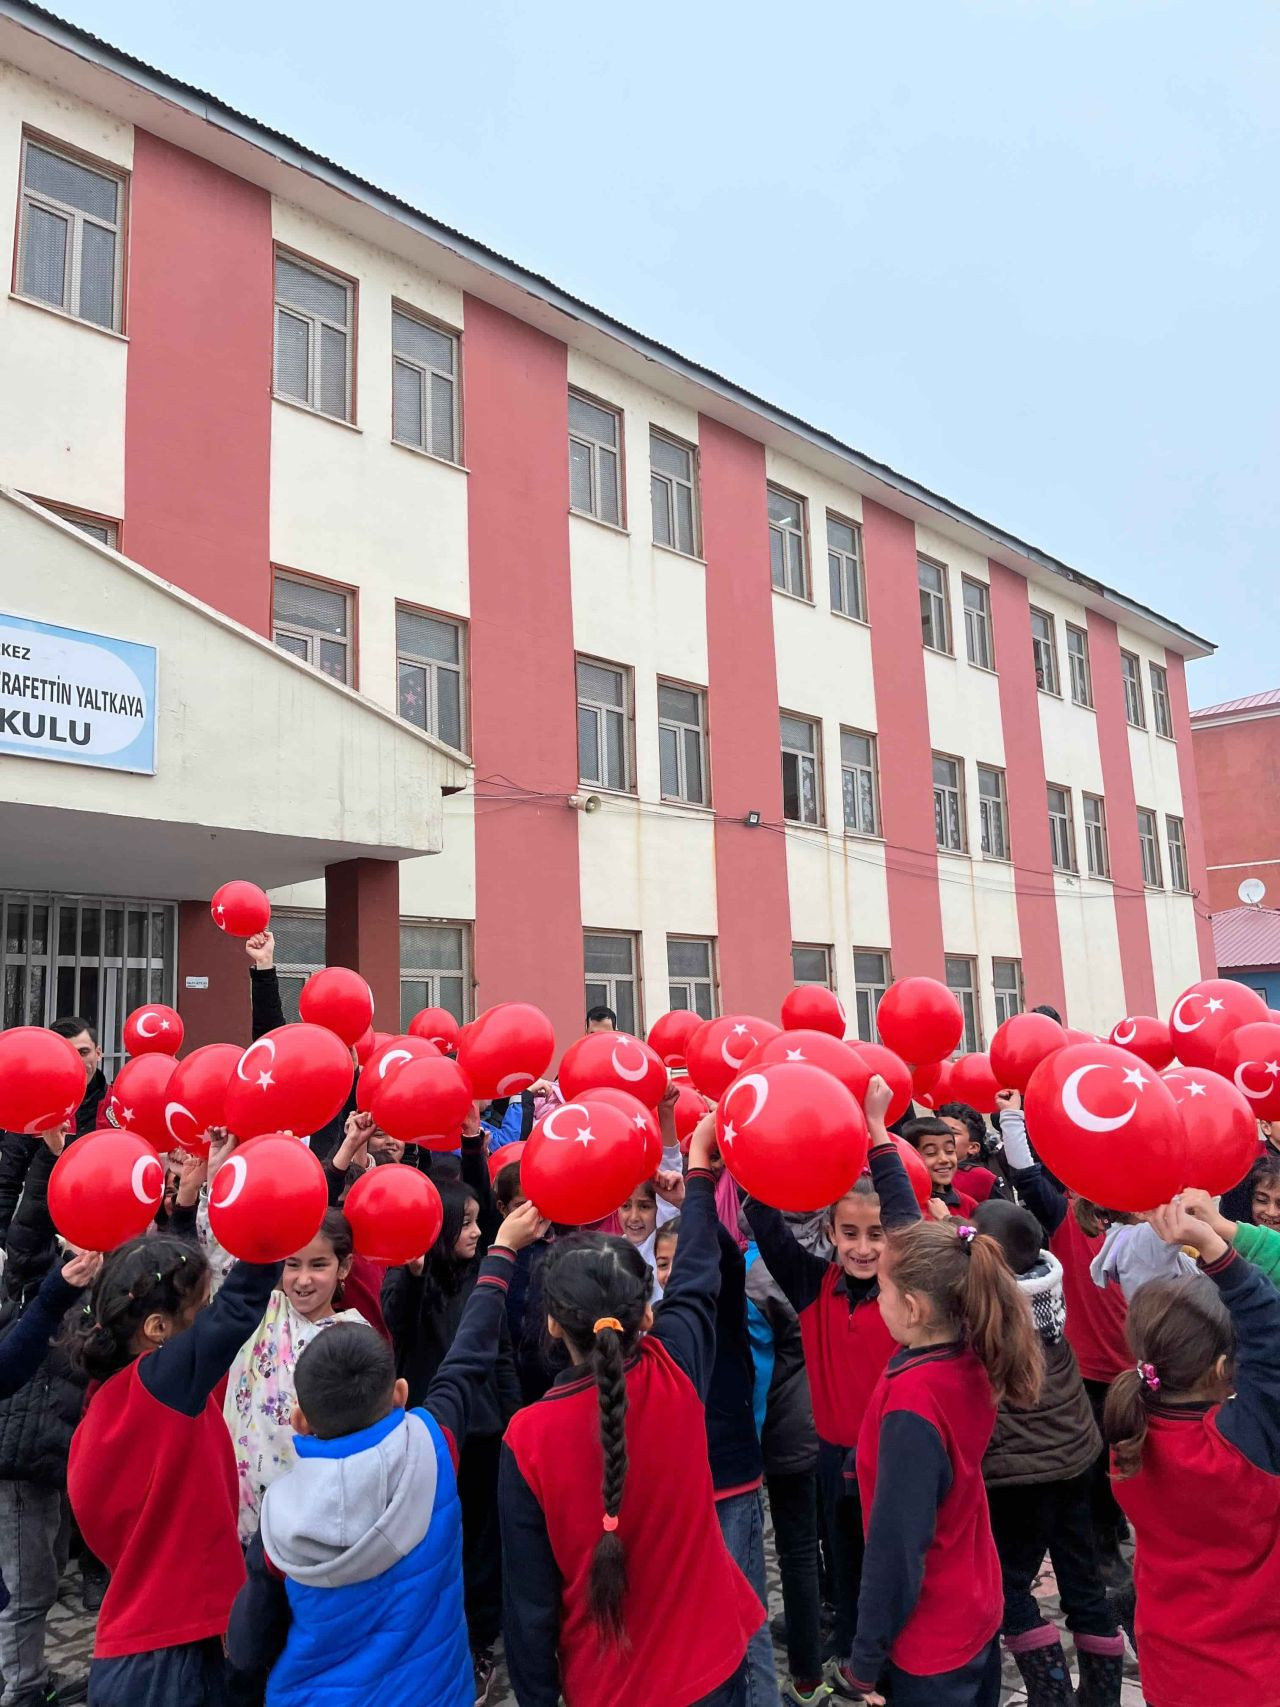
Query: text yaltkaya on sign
{"x": 75, "y": 697}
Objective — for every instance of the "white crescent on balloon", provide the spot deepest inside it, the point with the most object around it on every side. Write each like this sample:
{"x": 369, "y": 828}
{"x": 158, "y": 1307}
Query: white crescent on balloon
{"x": 513, "y": 1083}
{"x": 177, "y": 1108}
{"x": 735, "y": 1061}
{"x": 142, "y": 1024}
{"x": 584, "y": 1135}
{"x": 1175, "y": 1019}
{"x": 265, "y": 1043}
{"x": 390, "y": 1056}
{"x": 1123, "y": 1038}
{"x": 140, "y": 1190}
{"x": 236, "y": 1170}
{"x": 758, "y": 1085}
{"x": 1237, "y": 1079}
{"x": 634, "y": 1074}
{"x": 1084, "y": 1117}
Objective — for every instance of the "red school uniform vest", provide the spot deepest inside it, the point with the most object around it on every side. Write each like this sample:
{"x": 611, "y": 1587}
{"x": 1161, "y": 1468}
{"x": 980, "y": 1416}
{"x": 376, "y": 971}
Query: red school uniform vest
{"x": 689, "y": 1611}
{"x": 154, "y": 1493}
{"x": 845, "y": 1352}
{"x": 961, "y": 1601}
{"x": 1095, "y": 1314}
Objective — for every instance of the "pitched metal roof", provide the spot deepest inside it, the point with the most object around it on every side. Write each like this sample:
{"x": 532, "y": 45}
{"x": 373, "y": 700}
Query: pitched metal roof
{"x": 1247, "y": 937}
{"x": 1251, "y": 702}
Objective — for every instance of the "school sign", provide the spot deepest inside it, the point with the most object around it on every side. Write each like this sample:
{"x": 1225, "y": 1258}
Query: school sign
{"x": 76, "y": 698}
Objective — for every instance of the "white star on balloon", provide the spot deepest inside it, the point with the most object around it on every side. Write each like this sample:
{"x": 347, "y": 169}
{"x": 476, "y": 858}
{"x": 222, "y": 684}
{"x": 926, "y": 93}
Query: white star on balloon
{"x": 795, "y": 1054}
{"x": 729, "y": 1133}
{"x": 586, "y": 1136}
{"x": 1134, "y": 1077}
{"x": 640, "y": 1121}
{"x": 739, "y": 1031}
{"x": 126, "y": 1114}
{"x": 1273, "y": 1067}
{"x": 265, "y": 1079}
{"x": 1214, "y": 1005}
{"x": 1196, "y": 1089}
{"x": 220, "y": 908}
{"x": 164, "y": 1025}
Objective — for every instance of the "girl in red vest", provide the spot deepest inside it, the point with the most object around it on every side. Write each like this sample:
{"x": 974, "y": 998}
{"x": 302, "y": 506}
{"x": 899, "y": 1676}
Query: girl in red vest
{"x": 931, "y": 1602}
{"x": 1195, "y": 1433}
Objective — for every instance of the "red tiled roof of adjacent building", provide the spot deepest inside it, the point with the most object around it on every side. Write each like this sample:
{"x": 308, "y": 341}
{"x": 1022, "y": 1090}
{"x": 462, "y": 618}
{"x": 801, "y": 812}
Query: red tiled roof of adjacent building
{"x": 1268, "y": 701}
{"x": 1247, "y": 937}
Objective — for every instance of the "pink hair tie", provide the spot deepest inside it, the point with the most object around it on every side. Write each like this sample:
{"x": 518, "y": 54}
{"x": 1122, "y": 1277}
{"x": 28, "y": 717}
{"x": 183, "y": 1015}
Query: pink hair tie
{"x": 1147, "y": 1375}
{"x": 965, "y": 1233}
{"x": 608, "y": 1524}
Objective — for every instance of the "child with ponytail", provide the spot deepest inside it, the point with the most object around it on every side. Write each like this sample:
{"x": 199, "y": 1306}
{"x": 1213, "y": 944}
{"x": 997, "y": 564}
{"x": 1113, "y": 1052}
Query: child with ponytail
{"x": 603, "y": 1601}
{"x": 931, "y": 1602}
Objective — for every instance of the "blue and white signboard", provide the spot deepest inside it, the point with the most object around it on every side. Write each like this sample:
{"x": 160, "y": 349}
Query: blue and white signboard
{"x": 83, "y": 699}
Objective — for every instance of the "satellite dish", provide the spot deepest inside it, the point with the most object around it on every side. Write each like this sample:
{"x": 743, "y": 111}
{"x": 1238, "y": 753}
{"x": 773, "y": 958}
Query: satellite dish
{"x": 1251, "y": 891}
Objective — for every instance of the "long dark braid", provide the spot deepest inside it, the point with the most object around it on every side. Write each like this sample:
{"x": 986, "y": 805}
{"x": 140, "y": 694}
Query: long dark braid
{"x": 154, "y": 1274}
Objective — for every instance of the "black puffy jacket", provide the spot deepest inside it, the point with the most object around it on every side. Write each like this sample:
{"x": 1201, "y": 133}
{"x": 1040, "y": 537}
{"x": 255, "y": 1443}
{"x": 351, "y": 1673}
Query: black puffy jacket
{"x": 37, "y": 1422}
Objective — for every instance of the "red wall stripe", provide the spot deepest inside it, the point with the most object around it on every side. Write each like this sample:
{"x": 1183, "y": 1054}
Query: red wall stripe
{"x": 752, "y": 899}
{"x": 197, "y": 454}
{"x": 1033, "y": 887}
{"x": 906, "y": 763}
{"x": 1132, "y": 927}
{"x": 528, "y": 933}
{"x": 1192, "y": 822}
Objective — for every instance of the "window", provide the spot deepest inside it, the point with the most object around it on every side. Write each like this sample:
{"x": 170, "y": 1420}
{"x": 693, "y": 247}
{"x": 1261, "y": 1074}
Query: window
{"x": 935, "y": 621}
{"x": 1062, "y": 833}
{"x": 788, "y": 559}
{"x": 962, "y": 982}
{"x": 69, "y": 248}
{"x": 1161, "y": 710}
{"x": 1150, "y": 846}
{"x": 434, "y": 970}
{"x": 870, "y": 981}
{"x": 604, "y": 725}
{"x": 811, "y": 964}
{"x": 691, "y": 975}
{"x": 429, "y": 666}
{"x": 801, "y": 783}
{"x": 858, "y": 767}
{"x": 97, "y": 527}
{"x": 682, "y": 743}
{"x": 595, "y": 440}
{"x": 977, "y": 623}
{"x": 1044, "y": 651}
{"x": 1179, "y": 877}
{"x": 844, "y": 564}
{"x": 1006, "y": 979}
{"x": 1098, "y": 860}
{"x": 948, "y": 804}
{"x": 300, "y": 951}
{"x": 675, "y": 509}
{"x": 1131, "y": 676}
{"x": 313, "y": 345}
{"x": 1078, "y": 664}
{"x": 993, "y": 812}
{"x": 424, "y": 389}
{"x": 313, "y": 622}
{"x": 611, "y": 963}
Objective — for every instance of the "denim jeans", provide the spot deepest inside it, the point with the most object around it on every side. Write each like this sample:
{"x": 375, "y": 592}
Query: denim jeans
{"x": 742, "y": 1525}
{"x": 731, "y": 1693}
{"x": 974, "y": 1685}
{"x": 1031, "y": 1519}
{"x": 35, "y": 1536}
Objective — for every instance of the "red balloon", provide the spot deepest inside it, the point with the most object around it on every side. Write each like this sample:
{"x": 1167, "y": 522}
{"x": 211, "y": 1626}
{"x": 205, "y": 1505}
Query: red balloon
{"x": 293, "y": 1079}
{"x": 812, "y": 1007}
{"x": 1146, "y": 1038}
{"x": 719, "y": 1048}
{"x": 196, "y": 1095}
{"x": 394, "y": 1212}
{"x": 386, "y": 1059}
{"x": 365, "y": 1045}
{"x": 919, "y": 1019}
{"x": 871, "y": 1058}
{"x": 424, "y": 1102}
{"x": 438, "y": 1026}
{"x": 240, "y": 909}
{"x": 107, "y": 1191}
{"x": 38, "y": 1087}
{"x": 818, "y": 1047}
{"x": 338, "y": 999}
{"x": 499, "y": 1159}
{"x": 669, "y": 1036}
{"x": 582, "y": 1161}
{"x": 1074, "y": 1036}
{"x": 690, "y": 1107}
{"x": 506, "y": 1049}
{"x": 140, "y": 1097}
{"x": 1019, "y": 1046}
{"x": 931, "y": 1084}
{"x": 1221, "y": 1128}
{"x": 1107, "y": 1127}
{"x": 792, "y": 1135}
{"x": 268, "y": 1198}
{"x": 1207, "y": 1013}
{"x": 972, "y": 1081}
{"x": 642, "y": 1118}
{"x": 154, "y": 1030}
{"x": 919, "y": 1175}
{"x": 1250, "y": 1058}
{"x": 613, "y": 1058}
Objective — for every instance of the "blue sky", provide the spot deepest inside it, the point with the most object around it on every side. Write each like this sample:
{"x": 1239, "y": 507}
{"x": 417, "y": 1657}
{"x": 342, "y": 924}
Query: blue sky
{"x": 1023, "y": 250}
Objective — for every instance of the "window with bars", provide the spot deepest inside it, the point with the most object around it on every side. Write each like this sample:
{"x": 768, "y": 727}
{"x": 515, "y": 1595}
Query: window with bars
{"x": 788, "y": 555}
{"x": 604, "y": 725}
{"x": 682, "y": 743}
{"x": 870, "y": 981}
{"x": 429, "y": 665}
{"x": 105, "y": 532}
{"x": 1006, "y": 980}
{"x": 801, "y": 770}
{"x": 1044, "y": 651}
{"x": 859, "y": 782}
{"x": 1161, "y": 710}
{"x": 1149, "y": 844}
{"x": 313, "y": 622}
{"x": 844, "y": 565}
{"x": 69, "y": 248}
{"x": 811, "y": 963}
{"x": 300, "y": 951}
{"x": 435, "y": 969}
{"x": 611, "y": 977}
{"x": 993, "y": 812}
{"x": 1062, "y": 834}
{"x": 673, "y": 493}
{"x": 935, "y": 618}
{"x": 978, "y": 639}
{"x": 424, "y": 386}
{"x": 595, "y": 465}
{"x": 948, "y": 804}
{"x": 1131, "y": 676}
{"x": 1097, "y": 855}
{"x": 1078, "y": 664}
{"x": 691, "y": 975}
{"x": 1179, "y": 872}
{"x": 314, "y": 313}
{"x": 962, "y": 981}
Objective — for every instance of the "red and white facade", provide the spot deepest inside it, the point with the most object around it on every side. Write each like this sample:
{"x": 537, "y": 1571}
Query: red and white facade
{"x": 174, "y": 427}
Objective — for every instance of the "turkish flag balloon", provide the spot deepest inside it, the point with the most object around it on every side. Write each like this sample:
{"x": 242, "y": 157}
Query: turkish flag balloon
{"x": 812, "y": 1007}
{"x": 821, "y": 1049}
{"x": 792, "y": 1135}
{"x": 919, "y": 1019}
{"x": 582, "y": 1161}
{"x": 140, "y": 1096}
{"x": 1146, "y": 1038}
{"x": 38, "y": 1088}
{"x": 1207, "y": 1013}
{"x": 338, "y": 999}
{"x": 871, "y": 1058}
{"x": 196, "y": 1095}
{"x": 719, "y": 1048}
{"x": 240, "y": 909}
{"x": 973, "y": 1081}
{"x": 931, "y": 1084}
{"x": 1020, "y": 1045}
{"x": 293, "y": 1079}
{"x": 394, "y": 1212}
{"x": 267, "y": 1200}
{"x": 503, "y": 1157}
{"x": 392, "y": 1054}
{"x": 424, "y": 1102}
{"x": 506, "y": 1049}
{"x": 1250, "y": 1058}
{"x": 613, "y": 1058}
{"x": 438, "y": 1026}
{"x": 1107, "y": 1127}
{"x": 105, "y": 1188}
{"x": 364, "y": 1046}
{"x": 156, "y": 1030}
{"x": 918, "y": 1174}
{"x": 641, "y": 1117}
{"x": 669, "y": 1036}
{"x": 1221, "y": 1128}
{"x": 690, "y": 1107}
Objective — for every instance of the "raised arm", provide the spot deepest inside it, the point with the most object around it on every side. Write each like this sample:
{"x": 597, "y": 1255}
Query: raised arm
{"x": 798, "y": 1272}
{"x": 26, "y": 1345}
{"x": 898, "y": 1206}
{"x": 470, "y": 1359}
{"x": 184, "y": 1371}
{"x": 264, "y": 986}
{"x": 1043, "y": 1196}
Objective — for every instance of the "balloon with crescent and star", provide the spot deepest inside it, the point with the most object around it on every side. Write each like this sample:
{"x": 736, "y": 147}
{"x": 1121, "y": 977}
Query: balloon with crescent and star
{"x": 613, "y": 1058}
{"x": 292, "y": 1079}
{"x": 153, "y": 1030}
{"x": 1145, "y": 1037}
{"x": 582, "y": 1161}
{"x": 1206, "y": 1014}
{"x": 1249, "y": 1058}
{"x": 791, "y": 1134}
{"x": 105, "y": 1189}
{"x": 1220, "y": 1124}
{"x": 42, "y": 1081}
{"x": 718, "y": 1050}
{"x": 267, "y": 1200}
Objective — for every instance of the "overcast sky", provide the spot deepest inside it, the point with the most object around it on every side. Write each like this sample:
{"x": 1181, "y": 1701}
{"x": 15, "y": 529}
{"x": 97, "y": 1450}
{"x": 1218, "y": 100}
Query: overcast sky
{"x": 1023, "y": 250}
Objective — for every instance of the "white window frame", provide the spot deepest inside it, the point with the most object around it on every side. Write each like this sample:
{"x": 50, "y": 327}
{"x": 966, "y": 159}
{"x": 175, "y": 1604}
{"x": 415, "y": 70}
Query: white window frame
{"x": 1062, "y": 830}
{"x": 993, "y": 814}
{"x": 1135, "y": 710}
{"x": 942, "y": 799}
{"x": 684, "y": 989}
{"x": 1149, "y": 848}
{"x": 868, "y": 991}
{"x": 827, "y": 979}
{"x": 434, "y": 669}
{"x": 76, "y": 219}
{"x": 311, "y": 637}
{"x": 858, "y": 770}
{"x": 802, "y": 758}
{"x": 938, "y": 602}
{"x": 1079, "y": 667}
{"x": 662, "y": 491}
{"x": 1044, "y": 653}
{"x": 958, "y": 967}
{"x": 427, "y": 372}
{"x": 598, "y": 451}
{"x": 846, "y": 571}
{"x": 601, "y": 989}
{"x": 793, "y": 542}
{"x": 314, "y": 322}
{"x": 1179, "y": 865}
{"x": 685, "y": 794}
{"x": 602, "y": 712}
{"x": 430, "y": 977}
{"x": 1161, "y": 705}
{"x": 1096, "y": 847}
{"x": 1009, "y": 997}
{"x": 979, "y": 636}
